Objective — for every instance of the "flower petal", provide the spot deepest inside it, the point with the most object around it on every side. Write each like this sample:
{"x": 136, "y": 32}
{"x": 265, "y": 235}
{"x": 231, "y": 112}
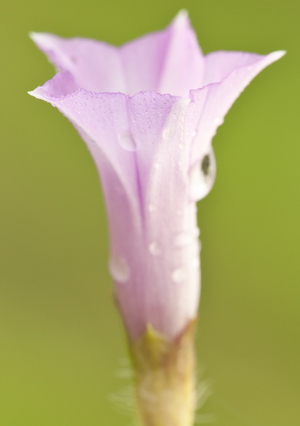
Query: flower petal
{"x": 101, "y": 118}
{"x": 61, "y": 85}
{"x": 184, "y": 64}
{"x": 166, "y": 260}
{"x": 168, "y": 61}
{"x": 228, "y": 73}
{"x": 218, "y": 65}
{"x": 95, "y": 65}
{"x": 142, "y": 196}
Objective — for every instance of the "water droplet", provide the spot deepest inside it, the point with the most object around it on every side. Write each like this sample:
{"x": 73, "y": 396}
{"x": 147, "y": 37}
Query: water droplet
{"x": 196, "y": 232}
{"x": 126, "y": 141}
{"x": 194, "y": 133}
{"x": 179, "y": 275}
{"x": 157, "y": 165}
{"x": 197, "y": 185}
{"x": 218, "y": 121}
{"x": 183, "y": 239}
{"x": 195, "y": 263}
{"x": 205, "y": 165}
{"x": 201, "y": 177}
{"x": 169, "y": 132}
{"x": 119, "y": 269}
{"x": 151, "y": 208}
{"x": 154, "y": 249}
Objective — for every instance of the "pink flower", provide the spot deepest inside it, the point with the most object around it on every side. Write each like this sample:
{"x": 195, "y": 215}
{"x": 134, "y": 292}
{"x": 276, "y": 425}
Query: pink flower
{"x": 147, "y": 112}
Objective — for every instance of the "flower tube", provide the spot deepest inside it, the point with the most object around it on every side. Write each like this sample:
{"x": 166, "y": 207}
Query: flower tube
{"x": 147, "y": 112}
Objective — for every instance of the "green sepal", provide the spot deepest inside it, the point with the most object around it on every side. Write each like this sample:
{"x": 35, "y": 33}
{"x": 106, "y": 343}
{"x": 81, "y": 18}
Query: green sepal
{"x": 165, "y": 377}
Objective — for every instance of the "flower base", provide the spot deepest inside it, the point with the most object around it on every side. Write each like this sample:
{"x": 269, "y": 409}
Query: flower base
{"x": 165, "y": 378}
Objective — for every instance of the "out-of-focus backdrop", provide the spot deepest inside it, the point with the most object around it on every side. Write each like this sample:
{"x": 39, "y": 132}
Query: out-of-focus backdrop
{"x": 61, "y": 342}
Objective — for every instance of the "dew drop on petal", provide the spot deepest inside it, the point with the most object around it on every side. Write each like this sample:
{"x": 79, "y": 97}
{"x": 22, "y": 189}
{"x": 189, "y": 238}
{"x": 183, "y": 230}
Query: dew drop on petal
{"x": 183, "y": 239}
{"x": 195, "y": 263}
{"x": 206, "y": 165}
{"x": 154, "y": 249}
{"x": 179, "y": 275}
{"x": 197, "y": 184}
{"x": 127, "y": 141}
{"x": 202, "y": 176}
{"x": 169, "y": 132}
{"x": 119, "y": 269}
{"x": 218, "y": 121}
{"x": 196, "y": 231}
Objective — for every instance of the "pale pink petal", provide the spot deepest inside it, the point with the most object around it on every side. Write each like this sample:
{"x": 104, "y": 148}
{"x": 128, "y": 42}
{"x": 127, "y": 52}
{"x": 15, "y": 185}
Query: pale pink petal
{"x": 96, "y": 66}
{"x": 169, "y": 61}
{"x": 61, "y": 85}
{"x": 103, "y": 118}
{"x": 211, "y": 103}
{"x": 169, "y": 261}
{"x": 143, "y": 61}
{"x": 218, "y": 65}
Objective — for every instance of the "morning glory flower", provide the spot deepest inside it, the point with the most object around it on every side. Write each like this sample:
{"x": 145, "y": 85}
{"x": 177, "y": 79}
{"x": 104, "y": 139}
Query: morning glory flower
{"x": 148, "y": 111}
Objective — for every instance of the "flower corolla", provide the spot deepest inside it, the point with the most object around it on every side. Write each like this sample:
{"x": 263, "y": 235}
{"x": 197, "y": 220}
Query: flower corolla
{"x": 147, "y": 112}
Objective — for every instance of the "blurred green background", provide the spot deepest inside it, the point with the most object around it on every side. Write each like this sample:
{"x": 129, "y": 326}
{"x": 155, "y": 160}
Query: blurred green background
{"x": 61, "y": 338}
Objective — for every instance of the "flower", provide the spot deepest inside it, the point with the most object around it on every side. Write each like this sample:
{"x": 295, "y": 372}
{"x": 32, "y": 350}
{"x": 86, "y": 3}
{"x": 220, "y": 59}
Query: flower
{"x": 147, "y": 112}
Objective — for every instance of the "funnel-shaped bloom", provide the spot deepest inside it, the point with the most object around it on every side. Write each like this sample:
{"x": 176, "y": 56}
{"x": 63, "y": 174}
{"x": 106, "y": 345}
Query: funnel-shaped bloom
{"x": 147, "y": 112}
